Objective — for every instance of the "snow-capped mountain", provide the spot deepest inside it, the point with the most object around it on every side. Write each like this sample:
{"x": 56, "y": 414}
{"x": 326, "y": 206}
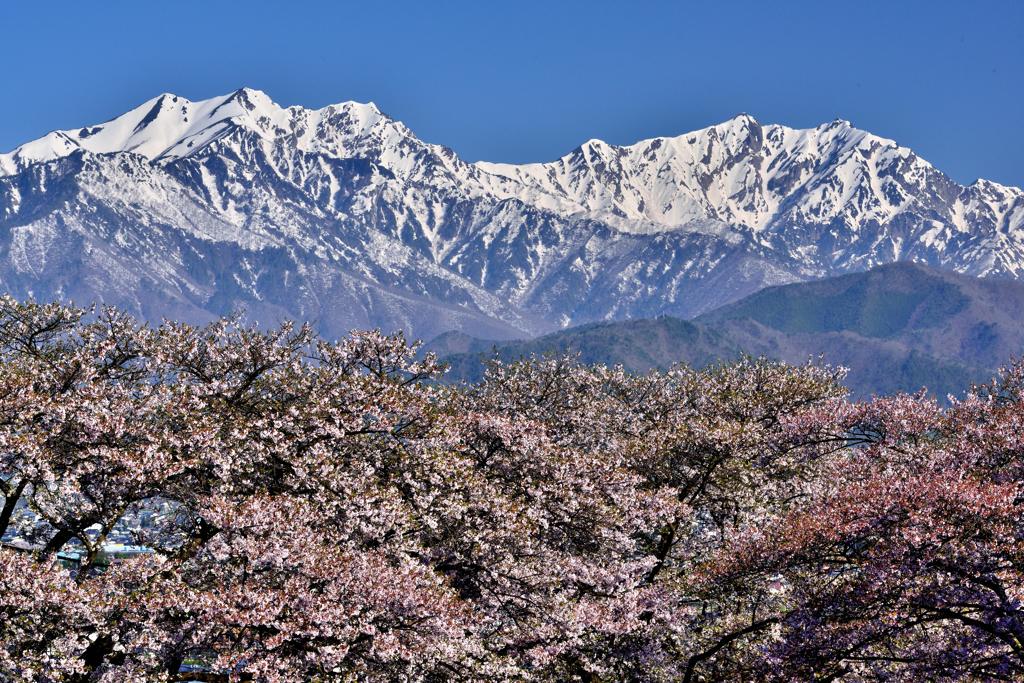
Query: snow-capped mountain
{"x": 344, "y": 217}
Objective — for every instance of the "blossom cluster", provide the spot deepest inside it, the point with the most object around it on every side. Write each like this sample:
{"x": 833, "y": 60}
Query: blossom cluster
{"x": 329, "y": 511}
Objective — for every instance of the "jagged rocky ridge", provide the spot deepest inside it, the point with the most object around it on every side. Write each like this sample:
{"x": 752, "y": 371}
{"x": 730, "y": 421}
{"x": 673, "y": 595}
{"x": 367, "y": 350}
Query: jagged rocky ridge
{"x": 342, "y": 216}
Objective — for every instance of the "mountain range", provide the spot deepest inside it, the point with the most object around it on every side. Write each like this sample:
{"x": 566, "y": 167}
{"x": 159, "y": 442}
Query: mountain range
{"x": 896, "y": 327}
{"x": 343, "y": 217}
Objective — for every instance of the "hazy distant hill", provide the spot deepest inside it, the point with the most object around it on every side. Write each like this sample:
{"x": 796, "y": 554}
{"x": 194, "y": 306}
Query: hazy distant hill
{"x": 637, "y": 344}
{"x": 897, "y": 327}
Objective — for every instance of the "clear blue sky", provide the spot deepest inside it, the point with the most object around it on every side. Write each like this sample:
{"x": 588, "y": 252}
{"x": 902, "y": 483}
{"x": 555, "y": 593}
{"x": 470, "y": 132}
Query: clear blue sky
{"x": 528, "y": 81}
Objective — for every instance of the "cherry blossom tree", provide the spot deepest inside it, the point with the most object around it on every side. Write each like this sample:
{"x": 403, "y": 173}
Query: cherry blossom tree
{"x": 905, "y": 560}
{"x": 331, "y": 511}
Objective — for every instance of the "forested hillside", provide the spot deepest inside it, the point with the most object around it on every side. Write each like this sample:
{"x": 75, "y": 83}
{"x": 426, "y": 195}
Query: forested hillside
{"x": 899, "y": 327}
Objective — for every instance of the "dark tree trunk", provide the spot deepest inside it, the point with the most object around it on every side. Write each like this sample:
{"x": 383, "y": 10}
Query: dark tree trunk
{"x": 10, "y": 502}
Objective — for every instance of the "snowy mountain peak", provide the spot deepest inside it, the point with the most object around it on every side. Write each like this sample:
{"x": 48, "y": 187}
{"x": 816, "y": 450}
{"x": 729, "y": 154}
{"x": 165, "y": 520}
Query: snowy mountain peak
{"x": 170, "y": 126}
{"x": 342, "y": 214}
{"x": 737, "y": 172}
{"x": 250, "y": 99}
{"x": 837, "y": 124}
{"x": 740, "y": 122}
